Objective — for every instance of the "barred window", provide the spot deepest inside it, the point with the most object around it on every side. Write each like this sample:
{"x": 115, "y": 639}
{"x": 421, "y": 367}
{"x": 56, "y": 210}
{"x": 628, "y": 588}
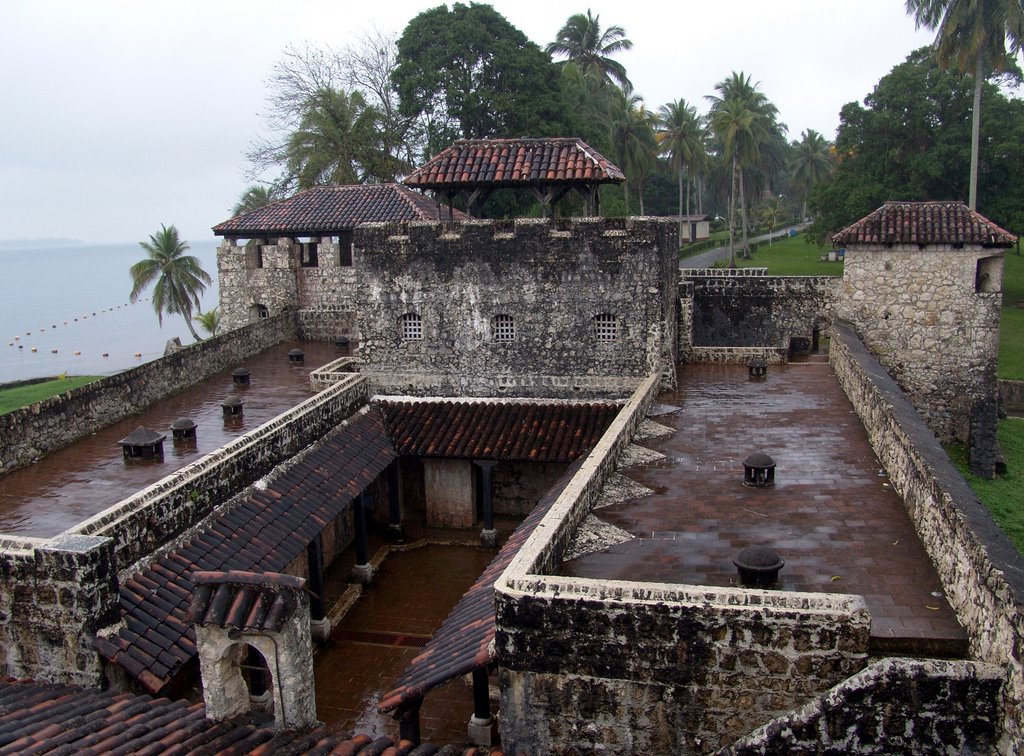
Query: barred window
{"x": 606, "y": 327}
{"x": 503, "y": 328}
{"x": 412, "y": 327}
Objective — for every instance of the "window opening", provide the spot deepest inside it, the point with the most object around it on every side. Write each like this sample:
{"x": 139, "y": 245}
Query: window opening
{"x": 412, "y": 327}
{"x": 345, "y": 249}
{"x": 606, "y": 327}
{"x": 503, "y": 328}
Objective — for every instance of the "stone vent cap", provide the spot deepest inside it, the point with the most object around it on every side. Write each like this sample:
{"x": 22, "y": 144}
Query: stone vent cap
{"x": 142, "y": 436}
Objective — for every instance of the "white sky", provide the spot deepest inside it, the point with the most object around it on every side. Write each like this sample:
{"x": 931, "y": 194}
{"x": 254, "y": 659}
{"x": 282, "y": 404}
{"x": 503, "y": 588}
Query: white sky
{"x": 119, "y": 115}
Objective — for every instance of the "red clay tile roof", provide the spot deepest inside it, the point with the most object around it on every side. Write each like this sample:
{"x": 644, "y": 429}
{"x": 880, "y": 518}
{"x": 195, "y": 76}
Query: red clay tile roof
{"x": 262, "y": 534}
{"x": 489, "y": 429}
{"x": 330, "y": 209}
{"x": 925, "y": 223}
{"x": 244, "y": 600}
{"x": 37, "y": 717}
{"x": 515, "y": 162}
{"x": 463, "y": 642}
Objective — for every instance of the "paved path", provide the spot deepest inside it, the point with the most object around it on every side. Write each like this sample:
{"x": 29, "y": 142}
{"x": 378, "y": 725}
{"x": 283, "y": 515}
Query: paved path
{"x": 709, "y": 258}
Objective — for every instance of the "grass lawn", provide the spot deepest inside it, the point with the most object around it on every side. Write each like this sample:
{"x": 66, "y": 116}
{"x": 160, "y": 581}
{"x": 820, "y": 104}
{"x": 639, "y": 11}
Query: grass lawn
{"x": 1003, "y": 496}
{"x": 1011, "y": 332}
{"x": 13, "y": 398}
{"x": 792, "y": 256}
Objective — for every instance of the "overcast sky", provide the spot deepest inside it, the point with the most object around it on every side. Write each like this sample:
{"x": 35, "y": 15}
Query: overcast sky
{"x": 119, "y": 115}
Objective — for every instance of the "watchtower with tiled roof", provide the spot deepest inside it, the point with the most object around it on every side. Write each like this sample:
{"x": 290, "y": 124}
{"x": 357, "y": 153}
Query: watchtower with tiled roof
{"x": 296, "y": 253}
{"x": 923, "y": 286}
{"x": 549, "y": 168}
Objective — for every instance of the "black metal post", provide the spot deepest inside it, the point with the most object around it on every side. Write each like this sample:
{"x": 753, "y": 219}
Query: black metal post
{"x": 315, "y": 558}
{"x": 488, "y": 536}
{"x": 481, "y": 695}
{"x": 408, "y": 716}
{"x": 394, "y": 504}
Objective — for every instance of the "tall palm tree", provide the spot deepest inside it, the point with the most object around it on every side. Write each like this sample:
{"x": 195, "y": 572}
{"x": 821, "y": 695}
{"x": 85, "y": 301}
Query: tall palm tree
{"x": 741, "y": 130}
{"x": 631, "y": 128}
{"x": 972, "y": 35}
{"x": 583, "y": 42}
{"x": 178, "y": 279}
{"x": 335, "y": 142}
{"x": 745, "y": 120}
{"x": 681, "y": 137}
{"x": 209, "y": 320}
{"x": 812, "y": 161}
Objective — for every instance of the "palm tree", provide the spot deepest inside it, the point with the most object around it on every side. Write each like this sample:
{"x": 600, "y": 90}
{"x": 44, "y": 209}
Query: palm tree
{"x": 812, "y": 161}
{"x": 253, "y": 198}
{"x": 582, "y": 42}
{"x": 178, "y": 278}
{"x": 335, "y": 141}
{"x": 209, "y": 320}
{"x": 973, "y": 36}
{"x": 632, "y": 134}
{"x": 744, "y": 119}
{"x": 681, "y": 137}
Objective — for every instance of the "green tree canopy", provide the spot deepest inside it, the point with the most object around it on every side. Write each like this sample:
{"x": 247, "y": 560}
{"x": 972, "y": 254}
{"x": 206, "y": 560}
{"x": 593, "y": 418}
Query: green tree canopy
{"x": 811, "y": 161}
{"x": 253, "y": 198}
{"x": 467, "y": 72}
{"x": 178, "y": 279}
{"x": 681, "y": 137}
{"x": 909, "y": 141}
{"x": 972, "y": 36}
{"x": 584, "y": 43}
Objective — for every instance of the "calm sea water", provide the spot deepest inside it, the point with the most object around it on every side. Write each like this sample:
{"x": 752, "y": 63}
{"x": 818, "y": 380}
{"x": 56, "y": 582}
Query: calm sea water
{"x": 75, "y": 299}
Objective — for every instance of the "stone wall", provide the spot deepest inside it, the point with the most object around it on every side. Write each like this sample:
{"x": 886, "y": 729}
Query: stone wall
{"x": 56, "y": 593}
{"x": 981, "y": 571}
{"x": 273, "y": 275}
{"x": 29, "y": 433}
{"x": 153, "y": 516}
{"x": 893, "y": 706}
{"x": 588, "y": 665}
{"x": 751, "y": 310}
{"x": 518, "y": 486}
{"x": 931, "y": 317}
{"x": 551, "y": 279}
{"x": 1011, "y": 394}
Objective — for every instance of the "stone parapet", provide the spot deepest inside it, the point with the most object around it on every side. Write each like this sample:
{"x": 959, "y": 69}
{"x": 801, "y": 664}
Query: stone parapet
{"x": 150, "y": 518}
{"x": 982, "y": 573}
{"x": 893, "y": 706}
{"x": 589, "y": 665}
{"x": 30, "y": 433}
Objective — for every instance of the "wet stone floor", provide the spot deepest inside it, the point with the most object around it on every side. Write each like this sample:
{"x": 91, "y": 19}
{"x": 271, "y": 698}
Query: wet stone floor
{"x": 412, "y": 593}
{"x": 832, "y": 514}
{"x": 74, "y": 483}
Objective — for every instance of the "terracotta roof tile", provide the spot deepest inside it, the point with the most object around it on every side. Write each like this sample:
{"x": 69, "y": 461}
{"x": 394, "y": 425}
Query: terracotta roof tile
{"x": 38, "y": 717}
{"x": 325, "y": 210}
{"x": 488, "y": 429}
{"x": 515, "y": 162}
{"x": 925, "y": 223}
{"x": 157, "y": 639}
{"x": 463, "y": 642}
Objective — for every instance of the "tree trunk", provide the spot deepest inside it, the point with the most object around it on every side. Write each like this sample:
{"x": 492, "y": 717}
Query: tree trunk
{"x": 972, "y": 192}
{"x": 700, "y": 195}
{"x": 625, "y": 194}
{"x": 732, "y": 216}
{"x": 689, "y": 236}
{"x": 681, "y": 204}
{"x": 191, "y": 328}
{"x": 743, "y": 217}
{"x": 640, "y": 193}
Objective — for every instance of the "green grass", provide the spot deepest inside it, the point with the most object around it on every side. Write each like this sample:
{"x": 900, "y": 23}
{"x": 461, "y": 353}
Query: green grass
{"x": 1011, "y": 332}
{"x": 792, "y": 256}
{"x": 1002, "y": 495}
{"x": 22, "y": 396}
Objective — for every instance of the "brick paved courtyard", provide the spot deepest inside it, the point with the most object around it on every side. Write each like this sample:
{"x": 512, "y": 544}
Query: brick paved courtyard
{"x": 832, "y": 514}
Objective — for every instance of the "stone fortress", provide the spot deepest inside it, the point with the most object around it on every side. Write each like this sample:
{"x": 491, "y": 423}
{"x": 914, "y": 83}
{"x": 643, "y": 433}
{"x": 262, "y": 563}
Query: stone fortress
{"x": 512, "y": 366}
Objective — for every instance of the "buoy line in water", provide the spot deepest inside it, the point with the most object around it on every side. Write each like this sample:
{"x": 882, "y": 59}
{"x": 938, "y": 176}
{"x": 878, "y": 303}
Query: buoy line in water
{"x": 77, "y": 352}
